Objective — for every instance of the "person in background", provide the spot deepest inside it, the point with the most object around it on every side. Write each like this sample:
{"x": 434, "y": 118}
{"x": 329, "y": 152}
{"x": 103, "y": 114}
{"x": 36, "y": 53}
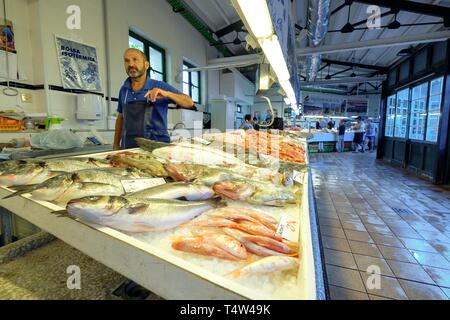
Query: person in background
{"x": 331, "y": 124}
{"x": 247, "y": 125}
{"x": 255, "y": 124}
{"x": 323, "y": 123}
{"x": 317, "y": 125}
{"x": 359, "y": 130}
{"x": 341, "y": 136}
{"x": 370, "y": 135}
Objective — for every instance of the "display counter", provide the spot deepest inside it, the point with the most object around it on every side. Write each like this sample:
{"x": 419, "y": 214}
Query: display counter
{"x": 149, "y": 260}
{"x": 326, "y": 141}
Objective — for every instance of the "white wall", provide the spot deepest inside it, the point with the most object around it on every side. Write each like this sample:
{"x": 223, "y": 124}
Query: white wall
{"x": 36, "y": 22}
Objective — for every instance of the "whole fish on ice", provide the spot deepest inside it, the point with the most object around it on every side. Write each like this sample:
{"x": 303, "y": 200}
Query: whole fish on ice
{"x": 137, "y": 215}
{"x": 176, "y": 190}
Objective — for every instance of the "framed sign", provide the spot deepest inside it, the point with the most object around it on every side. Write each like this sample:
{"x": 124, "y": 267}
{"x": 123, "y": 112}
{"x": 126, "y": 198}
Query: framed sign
{"x": 78, "y": 65}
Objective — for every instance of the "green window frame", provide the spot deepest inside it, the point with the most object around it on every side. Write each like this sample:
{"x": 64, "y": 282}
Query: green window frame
{"x": 192, "y": 83}
{"x": 155, "y": 54}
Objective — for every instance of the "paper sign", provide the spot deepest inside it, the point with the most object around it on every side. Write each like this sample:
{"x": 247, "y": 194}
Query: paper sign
{"x": 299, "y": 176}
{"x": 141, "y": 184}
{"x": 201, "y": 140}
{"x": 288, "y": 228}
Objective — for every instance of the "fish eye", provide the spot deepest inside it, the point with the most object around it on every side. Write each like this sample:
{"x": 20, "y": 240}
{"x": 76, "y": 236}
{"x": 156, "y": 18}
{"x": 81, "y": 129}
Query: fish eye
{"x": 94, "y": 198}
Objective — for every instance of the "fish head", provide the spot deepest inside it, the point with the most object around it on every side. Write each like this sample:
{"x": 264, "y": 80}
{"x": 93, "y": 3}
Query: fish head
{"x": 21, "y": 175}
{"x": 94, "y": 208}
{"x": 275, "y": 197}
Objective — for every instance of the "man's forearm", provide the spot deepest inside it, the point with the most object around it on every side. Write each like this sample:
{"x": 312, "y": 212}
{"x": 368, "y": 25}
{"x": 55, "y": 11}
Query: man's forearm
{"x": 181, "y": 100}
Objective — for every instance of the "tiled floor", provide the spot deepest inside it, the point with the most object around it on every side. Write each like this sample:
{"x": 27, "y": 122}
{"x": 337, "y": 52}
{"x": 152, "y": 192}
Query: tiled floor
{"x": 374, "y": 215}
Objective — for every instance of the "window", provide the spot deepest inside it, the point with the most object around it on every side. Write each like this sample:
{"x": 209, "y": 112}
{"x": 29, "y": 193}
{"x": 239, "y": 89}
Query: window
{"x": 434, "y": 109}
{"x": 418, "y": 112}
{"x": 155, "y": 54}
{"x": 390, "y": 116}
{"x": 191, "y": 83}
{"x": 401, "y": 114}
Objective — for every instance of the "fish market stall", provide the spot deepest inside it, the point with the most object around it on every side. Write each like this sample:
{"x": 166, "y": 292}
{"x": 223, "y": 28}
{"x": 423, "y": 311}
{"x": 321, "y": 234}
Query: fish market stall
{"x": 326, "y": 141}
{"x": 242, "y": 256}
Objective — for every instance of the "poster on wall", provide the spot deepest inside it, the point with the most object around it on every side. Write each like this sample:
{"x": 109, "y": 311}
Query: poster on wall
{"x": 7, "y": 36}
{"x": 323, "y": 105}
{"x": 357, "y": 107}
{"x": 78, "y": 65}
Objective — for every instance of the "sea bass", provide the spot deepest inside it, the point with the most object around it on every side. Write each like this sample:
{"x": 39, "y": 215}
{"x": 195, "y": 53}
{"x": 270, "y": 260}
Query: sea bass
{"x": 137, "y": 215}
{"x": 79, "y": 184}
{"x": 144, "y": 162}
{"x": 176, "y": 190}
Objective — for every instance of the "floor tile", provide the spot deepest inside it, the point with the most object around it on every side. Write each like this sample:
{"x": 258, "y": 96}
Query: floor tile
{"x": 417, "y": 245}
{"x": 389, "y": 287}
{"x": 420, "y": 291}
{"x": 340, "y": 259}
{"x": 386, "y": 240}
{"x": 440, "y": 276}
{"x": 431, "y": 259}
{"x": 337, "y": 293}
{"x": 406, "y": 233}
{"x": 332, "y": 232}
{"x": 335, "y": 243}
{"x": 353, "y": 226}
{"x": 397, "y": 254}
{"x": 366, "y": 249}
{"x": 358, "y": 236}
{"x": 335, "y": 223}
{"x": 345, "y": 278}
{"x": 410, "y": 271}
{"x": 364, "y": 262}
{"x": 378, "y": 229}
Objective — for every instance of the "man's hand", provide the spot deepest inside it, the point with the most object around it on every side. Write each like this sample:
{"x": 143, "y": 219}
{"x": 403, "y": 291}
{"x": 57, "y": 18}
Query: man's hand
{"x": 155, "y": 94}
{"x": 116, "y": 147}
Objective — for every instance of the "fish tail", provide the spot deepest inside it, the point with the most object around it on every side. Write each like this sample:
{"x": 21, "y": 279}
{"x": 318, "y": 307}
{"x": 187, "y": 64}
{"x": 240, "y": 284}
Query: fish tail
{"x": 18, "y": 193}
{"x": 61, "y": 213}
{"x": 22, "y": 187}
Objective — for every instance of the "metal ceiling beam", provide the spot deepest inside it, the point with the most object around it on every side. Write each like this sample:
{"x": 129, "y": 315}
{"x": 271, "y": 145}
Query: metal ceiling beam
{"x": 377, "y": 43}
{"x": 342, "y": 81}
{"x": 354, "y": 64}
{"x": 412, "y": 6}
{"x": 237, "y": 26}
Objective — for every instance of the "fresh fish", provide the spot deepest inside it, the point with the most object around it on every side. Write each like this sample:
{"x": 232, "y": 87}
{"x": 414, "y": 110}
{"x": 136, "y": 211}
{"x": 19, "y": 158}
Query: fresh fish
{"x": 35, "y": 172}
{"x": 185, "y": 172}
{"x": 10, "y": 164}
{"x": 192, "y": 153}
{"x": 235, "y": 216}
{"x": 255, "y": 192}
{"x": 216, "y": 245}
{"x": 78, "y": 190}
{"x": 257, "y": 230}
{"x": 137, "y": 215}
{"x": 176, "y": 190}
{"x": 53, "y": 188}
{"x": 251, "y": 246}
{"x": 267, "y": 265}
{"x": 144, "y": 162}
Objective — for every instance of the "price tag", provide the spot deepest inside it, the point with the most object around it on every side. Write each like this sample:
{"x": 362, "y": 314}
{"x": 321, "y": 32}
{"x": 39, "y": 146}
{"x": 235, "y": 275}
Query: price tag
{"x": 140, "y": 184}
{"x": 299, "y": 176}
{"x": 288, "y": 228}
{"x": 201, "y": 140}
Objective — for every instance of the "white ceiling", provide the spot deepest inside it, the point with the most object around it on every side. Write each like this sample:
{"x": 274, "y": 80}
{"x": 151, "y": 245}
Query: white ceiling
{"x": 218, "y": 14}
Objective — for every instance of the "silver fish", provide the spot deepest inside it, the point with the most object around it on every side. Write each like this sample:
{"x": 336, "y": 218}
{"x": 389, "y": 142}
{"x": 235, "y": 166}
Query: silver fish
{"x": 137, "y": 215}
{"x": 176, "y": 190}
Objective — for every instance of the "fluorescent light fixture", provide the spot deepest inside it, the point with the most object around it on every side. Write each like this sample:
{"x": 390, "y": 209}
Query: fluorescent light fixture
{"x": 272, "y": 49}
{"x": 287, "y": 101}
{"x": 258, "y": 17}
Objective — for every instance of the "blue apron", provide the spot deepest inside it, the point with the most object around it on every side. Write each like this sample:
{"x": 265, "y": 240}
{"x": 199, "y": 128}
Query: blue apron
{"x": 139, "y": 121}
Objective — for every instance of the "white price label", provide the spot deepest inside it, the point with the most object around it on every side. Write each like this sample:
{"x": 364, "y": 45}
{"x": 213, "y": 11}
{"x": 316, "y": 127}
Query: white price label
{"x": 140, "y": 184}
{"x": 201, "y": 140}
{"x": 299, "y": 176}
{"x": 288, "y": 228}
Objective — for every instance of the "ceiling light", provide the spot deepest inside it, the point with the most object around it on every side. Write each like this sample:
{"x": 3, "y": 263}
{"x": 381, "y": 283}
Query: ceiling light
{"x": 258, "y": 17}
